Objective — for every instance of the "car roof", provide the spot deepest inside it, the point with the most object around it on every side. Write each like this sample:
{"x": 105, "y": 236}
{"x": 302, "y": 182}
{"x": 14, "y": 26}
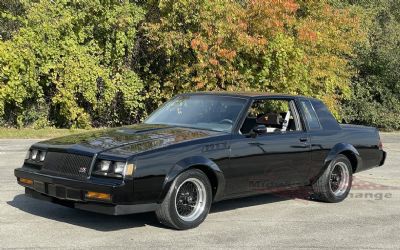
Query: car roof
{"x": 243, "y": 94}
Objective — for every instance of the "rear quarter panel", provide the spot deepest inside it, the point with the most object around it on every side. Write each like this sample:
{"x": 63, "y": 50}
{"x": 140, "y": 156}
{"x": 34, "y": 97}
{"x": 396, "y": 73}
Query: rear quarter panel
{"x": 363, "y": 139}
{"x": 366, "y": 141}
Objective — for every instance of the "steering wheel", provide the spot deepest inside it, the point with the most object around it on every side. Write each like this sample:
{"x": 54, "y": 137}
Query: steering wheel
{"x": 229, "y": 121}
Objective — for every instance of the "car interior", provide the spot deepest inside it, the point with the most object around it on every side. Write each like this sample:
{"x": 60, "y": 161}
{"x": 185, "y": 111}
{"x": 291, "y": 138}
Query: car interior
{"x": 275, "y": 115}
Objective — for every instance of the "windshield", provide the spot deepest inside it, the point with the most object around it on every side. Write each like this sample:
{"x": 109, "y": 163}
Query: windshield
{"x": 210, "y": 112}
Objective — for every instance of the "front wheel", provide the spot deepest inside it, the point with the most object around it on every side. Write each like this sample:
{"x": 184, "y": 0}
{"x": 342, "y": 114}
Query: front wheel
{"x": 335, "y": 183}
{"x": 188, "y": 201}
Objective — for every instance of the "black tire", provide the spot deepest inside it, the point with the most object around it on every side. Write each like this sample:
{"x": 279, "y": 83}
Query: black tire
{"x": 325, "y": 187}
{"x": 177, "y": 199}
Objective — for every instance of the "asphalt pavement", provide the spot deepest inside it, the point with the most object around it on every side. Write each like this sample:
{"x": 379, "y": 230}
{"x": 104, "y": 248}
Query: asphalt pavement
{"x": 368, "y": 219}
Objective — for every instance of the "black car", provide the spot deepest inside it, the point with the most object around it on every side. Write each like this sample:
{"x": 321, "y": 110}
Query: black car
{"x": 201, "y": 148}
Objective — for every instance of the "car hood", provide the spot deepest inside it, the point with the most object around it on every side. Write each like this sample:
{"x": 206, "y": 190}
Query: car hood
{"x": 124, "y": 141}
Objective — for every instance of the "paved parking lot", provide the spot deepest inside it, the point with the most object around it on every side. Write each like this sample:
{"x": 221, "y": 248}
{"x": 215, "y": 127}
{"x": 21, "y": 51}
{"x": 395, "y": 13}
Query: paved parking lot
{"x": 368, "y": 219}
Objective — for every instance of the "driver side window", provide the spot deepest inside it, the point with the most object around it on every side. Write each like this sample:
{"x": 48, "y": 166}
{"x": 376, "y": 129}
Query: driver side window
{"x": 275, "y": 115}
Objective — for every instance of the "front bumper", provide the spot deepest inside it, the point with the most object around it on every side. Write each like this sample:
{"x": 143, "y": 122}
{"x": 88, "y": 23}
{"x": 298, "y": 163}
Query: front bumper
{"x": 101, "y": 208}
{"x": 71, "y": 193}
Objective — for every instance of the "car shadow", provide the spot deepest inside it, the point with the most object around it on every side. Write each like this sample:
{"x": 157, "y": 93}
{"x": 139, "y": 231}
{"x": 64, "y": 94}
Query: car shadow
{"x": 302, "y": 194}
{"x": 99, "y": 222}
{"x": 107, "y": 223}
{"x": 238, "y": 203}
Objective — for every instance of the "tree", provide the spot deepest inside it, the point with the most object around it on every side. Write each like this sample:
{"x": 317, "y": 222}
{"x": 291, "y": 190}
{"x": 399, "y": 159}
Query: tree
{"x": 10, "y": 10}
{"x": 80, "y": 63}
{"x": 376, "y": 87}
{"x": 71, "y": 61}
{"x": 297, "y": 47}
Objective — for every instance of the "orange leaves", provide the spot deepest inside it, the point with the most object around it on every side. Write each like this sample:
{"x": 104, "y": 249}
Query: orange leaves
{"x": 199, "y": 44}
{"x": 274, "y": 6}
{"x": 213, "y": 61}
{"x": 271, "y": 16}
{"x": 242, "y": 25}
{"x": 293, "y": 46}
{"x": 306, "y": 34}
{"x": 194, "y": 43}
{"x": 291, "y": 6}
{"x": 213, "y": 51}
{"x": 227, "y": 54}
{"x": 200, "y": 85}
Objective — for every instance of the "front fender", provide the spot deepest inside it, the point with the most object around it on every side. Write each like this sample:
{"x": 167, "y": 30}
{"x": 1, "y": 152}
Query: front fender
{"x": 200, "y": 162}
{"x": 340, "y": 148}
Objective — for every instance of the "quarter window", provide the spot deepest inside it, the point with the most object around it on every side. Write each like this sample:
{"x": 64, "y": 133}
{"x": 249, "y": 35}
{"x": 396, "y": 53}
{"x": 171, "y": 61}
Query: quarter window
{"x": 311, "y": 116}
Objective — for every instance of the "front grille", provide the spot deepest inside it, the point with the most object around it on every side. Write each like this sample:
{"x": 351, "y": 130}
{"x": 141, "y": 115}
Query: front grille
{"x": 67, "y": 165}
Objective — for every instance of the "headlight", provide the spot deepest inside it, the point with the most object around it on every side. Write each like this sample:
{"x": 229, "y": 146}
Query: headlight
{"x": 42, "y": 155}
{"x": 119, "y": 167}
{"x": 34, "y": 154}
{"x": 116, "y": 169}
{"x": 105, "y": 166}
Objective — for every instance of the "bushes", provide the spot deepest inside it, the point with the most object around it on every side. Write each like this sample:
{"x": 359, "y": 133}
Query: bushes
{"x": 74, "y": 58}
{"x": 88, "y": 63}
{"x": 376, "y": 87}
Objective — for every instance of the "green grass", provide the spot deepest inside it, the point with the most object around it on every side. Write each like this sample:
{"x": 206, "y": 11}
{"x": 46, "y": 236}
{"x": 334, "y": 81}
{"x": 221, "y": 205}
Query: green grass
{"x": 30, "y": 133}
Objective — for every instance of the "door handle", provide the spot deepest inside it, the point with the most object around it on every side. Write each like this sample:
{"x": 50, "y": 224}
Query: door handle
{"x": 303, "y": 139}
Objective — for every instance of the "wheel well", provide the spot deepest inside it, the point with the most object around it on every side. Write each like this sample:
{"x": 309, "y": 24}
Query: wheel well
{"x": 211, "y": 177}
{"x": 352, "y": 158}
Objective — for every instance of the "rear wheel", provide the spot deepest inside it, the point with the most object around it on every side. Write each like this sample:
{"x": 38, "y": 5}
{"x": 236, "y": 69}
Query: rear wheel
{"x": 335, "y": 183}
{"x": 188, "y": 201}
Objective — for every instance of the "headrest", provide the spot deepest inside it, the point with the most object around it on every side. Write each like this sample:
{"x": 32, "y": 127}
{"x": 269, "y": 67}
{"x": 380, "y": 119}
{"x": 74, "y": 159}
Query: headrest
{"x": 269, "y": 119}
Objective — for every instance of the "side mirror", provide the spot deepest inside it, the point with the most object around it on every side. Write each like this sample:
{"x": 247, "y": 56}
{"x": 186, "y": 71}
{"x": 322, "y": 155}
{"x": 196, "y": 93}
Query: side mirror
{"x": 260, "y": 129}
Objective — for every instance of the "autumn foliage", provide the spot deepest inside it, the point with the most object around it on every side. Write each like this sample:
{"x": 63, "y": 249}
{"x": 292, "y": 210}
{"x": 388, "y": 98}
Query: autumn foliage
{"x": 84, "y": 63}
{"x": 296, "y": 47}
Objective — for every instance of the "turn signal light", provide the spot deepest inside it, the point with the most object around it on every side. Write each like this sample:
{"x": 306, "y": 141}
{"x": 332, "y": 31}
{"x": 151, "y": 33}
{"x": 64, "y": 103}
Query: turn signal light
{"x": 98, "y": 196}
{"x": 26, "y": 181}
{"x": 130, "y": 169}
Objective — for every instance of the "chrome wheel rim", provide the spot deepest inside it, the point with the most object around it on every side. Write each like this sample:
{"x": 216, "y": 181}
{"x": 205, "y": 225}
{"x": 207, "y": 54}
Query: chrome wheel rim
{"x": 339, "y": 179}
{"x": 190, "y": 199}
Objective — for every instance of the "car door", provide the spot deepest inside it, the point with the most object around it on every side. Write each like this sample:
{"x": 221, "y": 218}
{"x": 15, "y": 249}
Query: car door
{"x": 261, "y": 162}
